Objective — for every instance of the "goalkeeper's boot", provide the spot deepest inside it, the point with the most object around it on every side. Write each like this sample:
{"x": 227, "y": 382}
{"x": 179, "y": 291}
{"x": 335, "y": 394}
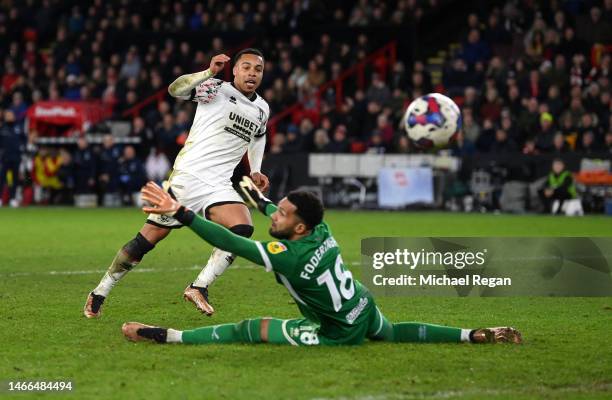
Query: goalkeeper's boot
{"x": 501, "y": 334}
{"x": 199, "y": 297}
{"x": 93, "y": 305}
{"x": 136, "y": 332}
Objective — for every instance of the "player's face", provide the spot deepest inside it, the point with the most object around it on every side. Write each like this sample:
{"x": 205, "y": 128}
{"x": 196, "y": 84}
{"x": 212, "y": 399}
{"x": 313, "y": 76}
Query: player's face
{"x": 285, "y": 222}
{"x": 248, "y": 72}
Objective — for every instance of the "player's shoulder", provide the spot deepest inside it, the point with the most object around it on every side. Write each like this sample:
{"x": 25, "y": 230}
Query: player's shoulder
{"x": 279, "y": 246}
{"x": 262, "y": 103}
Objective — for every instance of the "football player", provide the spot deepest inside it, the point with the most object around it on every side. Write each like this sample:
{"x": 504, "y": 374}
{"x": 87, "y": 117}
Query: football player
{"x": 336, "y": 308}
{"x": 230, "y": 121}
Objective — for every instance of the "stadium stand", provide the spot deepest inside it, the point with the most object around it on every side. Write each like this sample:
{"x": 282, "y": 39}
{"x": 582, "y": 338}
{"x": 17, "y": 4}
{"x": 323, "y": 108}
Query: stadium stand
{"x": 531, "y": 78}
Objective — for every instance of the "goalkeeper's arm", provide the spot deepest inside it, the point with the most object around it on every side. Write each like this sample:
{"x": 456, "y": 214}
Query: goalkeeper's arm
{"x": 159, "y": 201}
{"x": 219, "y": 236}
{"x": 254, "y": 197}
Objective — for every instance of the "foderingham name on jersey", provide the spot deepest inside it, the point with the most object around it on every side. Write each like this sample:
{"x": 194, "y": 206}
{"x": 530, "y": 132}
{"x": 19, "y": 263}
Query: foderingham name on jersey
{"x": 310, "y": 267}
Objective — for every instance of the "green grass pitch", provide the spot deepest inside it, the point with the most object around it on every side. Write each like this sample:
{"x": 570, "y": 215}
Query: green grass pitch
{"x": 50, "y": 259}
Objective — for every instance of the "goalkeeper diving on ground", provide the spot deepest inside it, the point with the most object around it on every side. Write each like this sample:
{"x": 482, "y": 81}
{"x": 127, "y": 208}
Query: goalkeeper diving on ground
{"x": 304, "y": 256}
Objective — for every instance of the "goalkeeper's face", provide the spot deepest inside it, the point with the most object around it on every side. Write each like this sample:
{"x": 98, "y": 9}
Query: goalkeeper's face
{"x": 286, "y": 224}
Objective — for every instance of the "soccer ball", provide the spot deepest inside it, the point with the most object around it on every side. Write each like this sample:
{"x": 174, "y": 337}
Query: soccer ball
{"x": 432, "y": 120}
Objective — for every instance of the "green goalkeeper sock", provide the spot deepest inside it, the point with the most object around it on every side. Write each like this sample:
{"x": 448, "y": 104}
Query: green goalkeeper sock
{"x": 428, "y": 333}
{"x": 247, "y": 331}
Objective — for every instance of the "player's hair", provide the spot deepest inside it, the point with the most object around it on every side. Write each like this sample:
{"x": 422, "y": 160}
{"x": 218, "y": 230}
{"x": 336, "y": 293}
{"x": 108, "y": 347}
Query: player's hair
{"x": 308, "y": 207}
{"x": 248, "y": 50}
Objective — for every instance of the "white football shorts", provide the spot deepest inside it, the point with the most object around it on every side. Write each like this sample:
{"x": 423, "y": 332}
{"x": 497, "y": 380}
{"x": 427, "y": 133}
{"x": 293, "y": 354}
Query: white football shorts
{"x": 195, "y": 195}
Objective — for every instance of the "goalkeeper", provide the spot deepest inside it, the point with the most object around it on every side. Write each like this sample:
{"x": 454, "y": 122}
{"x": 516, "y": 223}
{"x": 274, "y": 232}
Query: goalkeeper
{"x": 306, "y": 259}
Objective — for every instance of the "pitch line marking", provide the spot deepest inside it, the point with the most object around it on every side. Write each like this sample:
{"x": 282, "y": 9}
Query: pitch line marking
{"x": 136, "y": 270}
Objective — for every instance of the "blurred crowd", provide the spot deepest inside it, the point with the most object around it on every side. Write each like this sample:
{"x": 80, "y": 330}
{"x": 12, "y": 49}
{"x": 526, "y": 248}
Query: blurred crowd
{"x": 528, "y": 79}
{"x": 89, "y": 174}
{"x": 121, "y": 52}
{"x": 524, "y": 75}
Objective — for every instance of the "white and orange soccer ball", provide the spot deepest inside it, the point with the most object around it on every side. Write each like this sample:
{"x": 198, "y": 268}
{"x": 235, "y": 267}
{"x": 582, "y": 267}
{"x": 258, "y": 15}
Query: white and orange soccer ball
{"x": 432, "y": 120}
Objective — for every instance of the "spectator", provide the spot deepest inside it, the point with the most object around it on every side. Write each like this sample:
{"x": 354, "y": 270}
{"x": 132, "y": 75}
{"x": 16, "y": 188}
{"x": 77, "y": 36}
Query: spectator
{"x": 321, "y": 140}
{"x": 503, "y": 143}
{"x": 491, "y": 108}
{"x": 157, "y": 166}
{"x": 559, "y": 145}
{"x": 132, "y": 176}
{"x": 315, "y": 75}
{"x": 534, "y": 46}
{"x": 306, "y": 135}
{"x": 575, "y": 112}
{"x": 559, "y": 186}
{"x": 278, "y": 141}
{"x": 588, "y": 143}
{"x": 587, "y": 123}
{"x": 18, "y": 107}
{"x": 131, "y": 66}
{"x": 44, "y": 174}
{"x": 462, "y": 146}
{"x": 456, "y": 77}
{"x": 378, "y": 91}
{"x": 398, "y": 76}
{"x": 167, "y": 135}
{"x": 557, "y": 75}
{"x": 529, "y": 118}
{"x": 376, "y": 145}
{"x": 370, "y": 120}
{"x": 544, "y": 138}
{"x": 66, "y": 177}
{"x": 515, "y": 102}
{"x": 474, "y": 49}
{"x": 487, "y": 137}
{"x": 402, "y": 145}
{"x": 508, "y": 125}
{"x": 593, "y": 28}
{"x": 72, "y": 90}
{"x": 534, "y": 87}
{"x": 108, "y": 168}
{"x": 554, "y": 101}
{"x": 147, "y": 138}
{"x": 383, "y": 129}
{"x": 339, "y": 142}
{"x": 608, "y": 143}
{"x": 471, "y": 129}
{"x": 12, "y": 142}
{"x": 293, "y": 141}
{"x": 84, "y": 163}
{"x": 529, "y": 148}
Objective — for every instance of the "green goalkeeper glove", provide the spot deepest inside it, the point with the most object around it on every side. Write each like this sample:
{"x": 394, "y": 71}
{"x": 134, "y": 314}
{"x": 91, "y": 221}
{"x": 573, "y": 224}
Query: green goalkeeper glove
{"x": 253, "y": 195}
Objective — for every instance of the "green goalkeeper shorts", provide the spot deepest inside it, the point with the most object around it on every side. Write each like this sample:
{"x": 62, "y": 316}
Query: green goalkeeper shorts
{"x": 303, "y": 332}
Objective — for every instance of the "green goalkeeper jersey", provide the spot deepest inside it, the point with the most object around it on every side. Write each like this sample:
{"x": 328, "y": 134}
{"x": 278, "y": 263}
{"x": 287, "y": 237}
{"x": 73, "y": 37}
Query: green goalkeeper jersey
{"x": 313, "y": 272}
{"x": 311, "y": 269}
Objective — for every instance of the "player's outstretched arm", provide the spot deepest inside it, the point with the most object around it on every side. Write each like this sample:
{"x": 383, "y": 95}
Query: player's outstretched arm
{"x": 255, "y": 154}
{"x": 255, "y": 198}
{"x": 215, "y": 234}
{"x": 184, "y": 84}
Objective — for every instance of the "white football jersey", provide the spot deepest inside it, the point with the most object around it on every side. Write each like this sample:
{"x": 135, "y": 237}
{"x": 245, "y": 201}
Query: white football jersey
{"x": 226, "y": 123}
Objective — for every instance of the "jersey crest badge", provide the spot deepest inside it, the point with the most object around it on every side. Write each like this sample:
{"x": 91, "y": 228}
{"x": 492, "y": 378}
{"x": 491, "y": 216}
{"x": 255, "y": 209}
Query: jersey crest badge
{"x": 276, "y": 247}
{"x": 260, "y": 118}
